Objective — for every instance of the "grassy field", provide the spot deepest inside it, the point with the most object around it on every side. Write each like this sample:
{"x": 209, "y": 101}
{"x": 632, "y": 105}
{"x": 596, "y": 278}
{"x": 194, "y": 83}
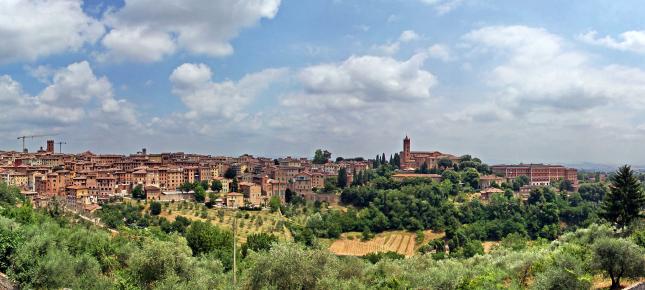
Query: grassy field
{"x": 402, "y": 242}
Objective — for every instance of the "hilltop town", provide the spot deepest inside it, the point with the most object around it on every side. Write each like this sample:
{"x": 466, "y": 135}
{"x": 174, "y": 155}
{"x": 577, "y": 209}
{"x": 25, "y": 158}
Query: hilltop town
{"x": 414, "y": 207}
{"x": 87, "y": 180}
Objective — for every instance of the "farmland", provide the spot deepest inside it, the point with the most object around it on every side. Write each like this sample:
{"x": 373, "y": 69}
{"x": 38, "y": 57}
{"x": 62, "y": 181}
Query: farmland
{"x": 402, "y": 242}
{"x": 248, "y": 222}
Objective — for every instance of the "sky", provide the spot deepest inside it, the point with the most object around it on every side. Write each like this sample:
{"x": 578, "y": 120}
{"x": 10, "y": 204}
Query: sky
{"x": 508, "y": 81}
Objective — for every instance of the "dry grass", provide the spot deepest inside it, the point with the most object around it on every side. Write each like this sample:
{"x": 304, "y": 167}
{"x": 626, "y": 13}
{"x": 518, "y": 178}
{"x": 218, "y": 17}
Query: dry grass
{"x": 600, "y": 282}
{"x": 401, "y": 242}
{"x": 489, "y": 245}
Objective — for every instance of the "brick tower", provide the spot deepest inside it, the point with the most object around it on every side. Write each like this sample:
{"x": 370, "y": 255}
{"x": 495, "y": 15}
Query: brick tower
{"x": 50, "y": 146}
{"x": 406, "y": 150}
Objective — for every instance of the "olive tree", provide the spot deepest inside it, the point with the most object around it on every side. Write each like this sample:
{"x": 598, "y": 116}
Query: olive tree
{"x": 618, "y": 258}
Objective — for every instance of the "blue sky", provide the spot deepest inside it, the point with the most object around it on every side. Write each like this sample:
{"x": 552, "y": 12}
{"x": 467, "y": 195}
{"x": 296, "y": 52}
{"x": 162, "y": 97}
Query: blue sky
{"x": 510, "y": 81}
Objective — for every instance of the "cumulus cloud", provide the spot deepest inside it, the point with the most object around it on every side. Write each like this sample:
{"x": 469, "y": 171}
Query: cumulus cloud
{"x": 362, "y": 81}
{"x": 228, "y": 99}
{"x": 633, "y": 41}
{"x": 359, "y": 96}
{"x": 148, "y": 30}
{"x": 67, "y": 100}
{"x": 542, "y": 71}
{"x": 33, "y": 29}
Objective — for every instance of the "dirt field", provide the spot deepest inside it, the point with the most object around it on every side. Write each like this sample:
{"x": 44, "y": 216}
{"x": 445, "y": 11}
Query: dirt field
{"x": 402, "y": 242}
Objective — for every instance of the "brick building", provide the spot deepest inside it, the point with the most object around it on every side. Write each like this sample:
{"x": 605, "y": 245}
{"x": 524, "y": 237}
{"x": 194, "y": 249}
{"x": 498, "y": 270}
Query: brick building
{"x": 538, "y": 174}
{"x": 411, "y": 160}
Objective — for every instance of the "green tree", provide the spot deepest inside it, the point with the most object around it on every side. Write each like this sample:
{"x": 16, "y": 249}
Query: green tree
{"x": 424, "y": 168}
{"x": 618, "y": 258}
{"x": 9, "y": 240}
{"x": 594, "y": 192}
{"x": 203, "y": 237}
{"x": 9, "y": 194}
{"x": 471, "y": 177}
{"x": 200, "y": 194}
{"x": 216, "y": 185}
{"x": 138, "y": 193}
{"x": 234, "y": 185}
{"x": 625, "y": 199}
{"x": 342, "y": 178}
{"x": 451, "y": 175}
{"x": 258, "y": 242}
{"x": 158, "y": 260}
{"x": 155, "y": 208}
{"x": 566, "y": 185}
{"x": 330, "y": 185}
{"x": 274, "y": 203}
{"x": 186, "y": 187}
{"x": 445, "y": 163}
{"x": 283, "y": 265}
{"x": 288, "y": 195}
{"x": 321, "y": 157}
{"x": 230, "y": 173}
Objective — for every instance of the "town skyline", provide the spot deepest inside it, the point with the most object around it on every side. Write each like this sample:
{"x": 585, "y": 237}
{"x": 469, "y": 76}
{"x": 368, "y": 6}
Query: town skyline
{"x": 585, "y": 165}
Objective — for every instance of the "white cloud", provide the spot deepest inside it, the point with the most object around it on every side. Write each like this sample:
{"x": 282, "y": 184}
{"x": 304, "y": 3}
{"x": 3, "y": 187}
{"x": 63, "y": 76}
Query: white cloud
{"x": 391, "y": 48}
{"x": 363, "y": 81}
{"x": 148, "y": 30}
{"x": 76, "y": 85}
{"x": 440, "y": 51}
{"x": 443, "y": 6}
{"x": 542, "y": 78}
{"x": 633, "y": 41}
{"x": 34, "y": 29}
{"x": 137, "y": 44}
{"x": 67, "y": 100}
{"x": 228, "y": 99}
{"x": 361, "y": 96}
{"x": 408, "y": 35}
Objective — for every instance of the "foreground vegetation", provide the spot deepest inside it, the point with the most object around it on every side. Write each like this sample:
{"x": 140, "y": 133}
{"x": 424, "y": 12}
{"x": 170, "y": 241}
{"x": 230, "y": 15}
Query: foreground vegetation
{"x": 554, "y": 240}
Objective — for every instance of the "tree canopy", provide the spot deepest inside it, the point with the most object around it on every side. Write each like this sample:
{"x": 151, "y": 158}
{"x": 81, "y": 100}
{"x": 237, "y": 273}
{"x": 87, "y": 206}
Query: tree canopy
{"x": 625, "y": 199}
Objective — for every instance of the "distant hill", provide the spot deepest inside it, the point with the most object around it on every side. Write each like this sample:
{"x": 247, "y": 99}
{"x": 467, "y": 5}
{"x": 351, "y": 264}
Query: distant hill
{"x": 589, "y": 166}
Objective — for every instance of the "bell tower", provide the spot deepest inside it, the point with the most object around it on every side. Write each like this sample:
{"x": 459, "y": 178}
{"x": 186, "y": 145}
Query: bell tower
{"x": 406, "y": 149}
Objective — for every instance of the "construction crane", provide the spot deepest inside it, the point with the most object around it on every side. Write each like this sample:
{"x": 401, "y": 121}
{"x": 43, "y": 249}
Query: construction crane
{"x": 32, "y": 137}
{"x": 60, "y": 146}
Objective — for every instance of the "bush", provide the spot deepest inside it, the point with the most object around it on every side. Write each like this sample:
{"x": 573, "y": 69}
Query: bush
{"x": 420, "y": 236}
{"x": 155, "y": 208}
{"x": 376, "y": 257}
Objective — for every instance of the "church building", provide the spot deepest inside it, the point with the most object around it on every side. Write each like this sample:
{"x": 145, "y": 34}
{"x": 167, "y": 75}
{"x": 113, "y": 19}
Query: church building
{"x": 411, "y": 160}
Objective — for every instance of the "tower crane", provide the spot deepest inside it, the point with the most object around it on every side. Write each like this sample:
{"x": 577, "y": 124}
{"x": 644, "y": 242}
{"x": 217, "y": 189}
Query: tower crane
{"x": 31, "y": 137}
{"x": 60, "y": 146}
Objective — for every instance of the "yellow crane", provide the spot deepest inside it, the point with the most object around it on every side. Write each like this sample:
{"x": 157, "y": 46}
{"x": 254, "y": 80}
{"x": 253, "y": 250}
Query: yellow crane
{"x": 32, "y": 137}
